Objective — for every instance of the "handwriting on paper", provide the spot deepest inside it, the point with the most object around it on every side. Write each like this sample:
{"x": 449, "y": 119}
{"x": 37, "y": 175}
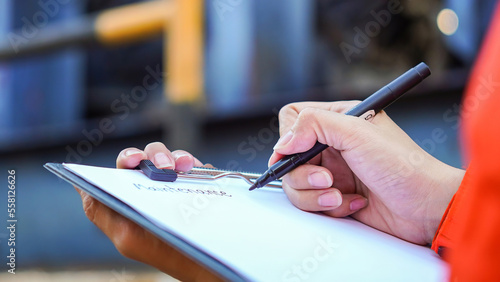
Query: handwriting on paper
{"x": 166, "y": 188}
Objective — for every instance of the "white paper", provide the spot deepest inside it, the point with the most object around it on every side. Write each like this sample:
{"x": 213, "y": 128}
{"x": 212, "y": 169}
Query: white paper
{"x": 262, "y": 235}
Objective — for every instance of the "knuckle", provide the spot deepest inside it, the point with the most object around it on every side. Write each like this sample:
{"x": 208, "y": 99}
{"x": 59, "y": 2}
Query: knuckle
{"x": 292, "y": 108}
{"x": 343, "y": 106}
{"x": 307, "y": 119}
{"x": 308, "y": 113}
{"x": 295, "y": 177}
{"x": 298, "y": 198}
{"x": 285, "y": 111}
{"x": 89, "y": 207}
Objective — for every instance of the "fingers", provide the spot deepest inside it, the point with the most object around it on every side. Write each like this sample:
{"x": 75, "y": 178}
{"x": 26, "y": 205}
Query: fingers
{"x": 288, "y": 114}
{"x": 330, "y": 201}
{"x": 337, "y": 130}
{"x": 351, "y": 203}
{"x": 309, "y": 177}
{"x": 309, "y": 188}
{"x": 274, "y": 158}
{"x": 102, "y": 216}
{"x": 184, "y": 161}
{"x": 134, "y": 242}
{"x": 125, "y": 235}
{"x": 159, "y": 155}
{"x": 130, "y": 158}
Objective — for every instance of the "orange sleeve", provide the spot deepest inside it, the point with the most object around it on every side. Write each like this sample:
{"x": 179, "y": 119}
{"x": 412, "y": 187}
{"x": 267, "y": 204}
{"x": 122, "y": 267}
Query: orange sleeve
{"x": 450, "y": 223}
{"x": 470, "y": 229}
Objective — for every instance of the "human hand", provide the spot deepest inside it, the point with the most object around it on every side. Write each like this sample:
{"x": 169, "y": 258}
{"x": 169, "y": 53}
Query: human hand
{"x": 133, "y": 241}
{"x": 372, "y": 171}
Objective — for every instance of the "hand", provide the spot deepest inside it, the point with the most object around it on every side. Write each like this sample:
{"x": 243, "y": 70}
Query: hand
{"x": 373, "y": 171}
{"x": 133, "y": 241}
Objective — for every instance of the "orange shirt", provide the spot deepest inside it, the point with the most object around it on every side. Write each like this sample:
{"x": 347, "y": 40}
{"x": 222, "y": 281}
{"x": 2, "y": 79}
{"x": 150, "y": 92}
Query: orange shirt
{"x": 470, "y": 228}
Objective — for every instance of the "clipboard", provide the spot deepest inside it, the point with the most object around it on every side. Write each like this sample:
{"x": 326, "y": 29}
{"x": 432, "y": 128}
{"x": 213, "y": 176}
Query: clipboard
{"x": 256, "y": 236}
{"x": 181, "y": 245}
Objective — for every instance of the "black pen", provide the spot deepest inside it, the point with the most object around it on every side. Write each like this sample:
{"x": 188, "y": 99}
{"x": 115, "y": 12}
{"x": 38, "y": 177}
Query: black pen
{"x": 376, "y": 102}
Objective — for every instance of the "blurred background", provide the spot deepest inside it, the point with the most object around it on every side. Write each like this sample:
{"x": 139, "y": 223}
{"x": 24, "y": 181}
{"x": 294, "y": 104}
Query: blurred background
{"x": 82, "y": 80}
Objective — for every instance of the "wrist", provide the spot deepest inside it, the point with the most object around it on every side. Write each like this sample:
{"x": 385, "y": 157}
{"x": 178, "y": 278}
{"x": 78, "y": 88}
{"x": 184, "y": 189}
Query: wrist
{"x": 444, "y": 186}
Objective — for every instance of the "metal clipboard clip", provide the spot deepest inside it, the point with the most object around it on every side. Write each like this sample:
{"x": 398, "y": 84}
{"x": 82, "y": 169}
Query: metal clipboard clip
{"x": 199, "y": 173}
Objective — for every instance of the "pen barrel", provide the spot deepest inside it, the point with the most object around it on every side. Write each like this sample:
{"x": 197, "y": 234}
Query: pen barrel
{"x": 392, "y": 91}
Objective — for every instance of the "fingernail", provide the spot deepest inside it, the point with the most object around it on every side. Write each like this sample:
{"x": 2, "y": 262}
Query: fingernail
{"x": 330, "y": 199}
{"x": 320, "y": 179}
{"x": 358, "y": 204}
{"x": 283, "y": 140}
{"x": 181, "y": 155}
{"x": 163, "y": 161}
{"x": 132, "y": 152}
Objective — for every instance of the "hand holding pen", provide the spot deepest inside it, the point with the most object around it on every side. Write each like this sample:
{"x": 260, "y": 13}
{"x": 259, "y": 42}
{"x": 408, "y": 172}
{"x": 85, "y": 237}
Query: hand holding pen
{"x": 374, "y": 103}
{"x": 371, "y": 170}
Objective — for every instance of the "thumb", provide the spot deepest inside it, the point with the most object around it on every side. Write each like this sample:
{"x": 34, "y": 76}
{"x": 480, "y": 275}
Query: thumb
{"x": 337, "y": 130}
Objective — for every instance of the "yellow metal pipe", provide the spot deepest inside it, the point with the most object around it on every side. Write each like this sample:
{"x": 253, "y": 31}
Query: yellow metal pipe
{"x": 133, "y": 22}
{"x": 180, "y": 20}
{"x": 130, "y": 23}
{"x": 184, "y": 52}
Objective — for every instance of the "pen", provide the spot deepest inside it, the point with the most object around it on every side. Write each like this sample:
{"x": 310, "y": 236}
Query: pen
{"x": 376, "y": 102}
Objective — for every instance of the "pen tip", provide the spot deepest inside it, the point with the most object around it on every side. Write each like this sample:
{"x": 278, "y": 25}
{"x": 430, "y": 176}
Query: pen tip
{"x": 253, "y": 187}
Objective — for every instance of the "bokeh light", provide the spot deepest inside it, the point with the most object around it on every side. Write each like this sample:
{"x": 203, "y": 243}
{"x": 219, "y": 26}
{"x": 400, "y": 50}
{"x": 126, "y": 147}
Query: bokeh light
{"x": 447, "y": 21}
